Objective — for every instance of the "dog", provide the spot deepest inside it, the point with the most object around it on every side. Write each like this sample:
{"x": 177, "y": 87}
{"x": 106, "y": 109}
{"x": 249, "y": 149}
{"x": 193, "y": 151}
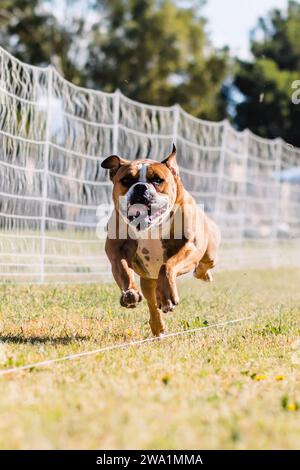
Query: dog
{"x": 156, "y": 231}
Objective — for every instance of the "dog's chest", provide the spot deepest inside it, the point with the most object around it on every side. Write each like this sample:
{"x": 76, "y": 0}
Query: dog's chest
{"x": 149, "y": 257}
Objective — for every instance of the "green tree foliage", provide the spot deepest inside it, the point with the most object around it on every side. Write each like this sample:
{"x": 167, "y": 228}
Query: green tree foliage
{"x": 266, "y": 82}
{"x": 158, "y": 52}
{"x": 30, "y": 32}
{"x": 155, "y": 51}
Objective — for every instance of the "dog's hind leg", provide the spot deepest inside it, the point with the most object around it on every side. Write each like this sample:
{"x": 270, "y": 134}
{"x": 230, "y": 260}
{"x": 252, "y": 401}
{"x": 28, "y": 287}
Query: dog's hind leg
{"x": 209, "y": 259}
{"x": 156, "y": 321}
{"x": 202, "y": 270}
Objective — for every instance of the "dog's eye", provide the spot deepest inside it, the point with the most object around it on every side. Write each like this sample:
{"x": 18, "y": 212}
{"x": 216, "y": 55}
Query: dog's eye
{"x": 156, "y": 180}
{"x": 127, "y": 181}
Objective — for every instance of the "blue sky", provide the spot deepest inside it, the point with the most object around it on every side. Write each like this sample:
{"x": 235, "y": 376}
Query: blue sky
{"x": 231, "y": 20}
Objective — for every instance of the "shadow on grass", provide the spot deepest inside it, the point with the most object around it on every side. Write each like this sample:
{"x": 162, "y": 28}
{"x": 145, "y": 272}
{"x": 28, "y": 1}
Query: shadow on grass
{"x": 63, "y": 340}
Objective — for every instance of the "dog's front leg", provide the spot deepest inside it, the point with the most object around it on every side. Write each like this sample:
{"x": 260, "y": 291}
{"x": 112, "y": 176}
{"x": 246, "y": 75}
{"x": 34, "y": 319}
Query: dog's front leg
{"x": 156, "y": 321}
{"x": 120, "y": 254}
{"x": 182, "y": 262}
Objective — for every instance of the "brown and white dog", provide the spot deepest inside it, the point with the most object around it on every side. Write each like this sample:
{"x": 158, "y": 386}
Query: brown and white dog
{"x": 156, "y": 231}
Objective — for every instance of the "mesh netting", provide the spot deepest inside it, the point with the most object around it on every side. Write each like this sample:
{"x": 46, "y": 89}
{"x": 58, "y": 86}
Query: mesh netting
{"x": 53, "y": 137}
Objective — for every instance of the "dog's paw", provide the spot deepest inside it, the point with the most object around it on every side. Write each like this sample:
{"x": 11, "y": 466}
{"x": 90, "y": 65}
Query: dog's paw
{"x": 208, "y": 277}
{"x": 166, "y": 291}
{"x": 157, "y": 327}
{"x": 203, "y": 276}
{"x": 168, "y": 306}
{"x": 167, "y": 298}
{"x": 130, "y": 298}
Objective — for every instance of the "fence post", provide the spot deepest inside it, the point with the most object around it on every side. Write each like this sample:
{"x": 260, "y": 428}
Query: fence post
{"x": 221, "y": 168}
{"x": 242, "y": 195}
{"x": 45, "y": 174}
{"x": 116, "y": 117}
{"x": 277, "y": 201}
{"x": 245, "y": 180}
{"x": 176, "y": 109}
{"x": 276, "y": 217}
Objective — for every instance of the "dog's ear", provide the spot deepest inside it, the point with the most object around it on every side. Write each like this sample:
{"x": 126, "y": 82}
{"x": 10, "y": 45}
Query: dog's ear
{"x": 171, "y": 162}
{"x": 113, "y": 163}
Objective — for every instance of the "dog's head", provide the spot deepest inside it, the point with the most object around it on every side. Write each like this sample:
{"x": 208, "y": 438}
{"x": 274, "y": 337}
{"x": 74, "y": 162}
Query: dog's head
{"x": 144, "y": 190}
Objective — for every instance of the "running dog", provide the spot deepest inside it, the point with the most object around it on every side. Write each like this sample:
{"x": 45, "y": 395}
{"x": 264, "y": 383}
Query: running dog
{"x": 156, "y": 231}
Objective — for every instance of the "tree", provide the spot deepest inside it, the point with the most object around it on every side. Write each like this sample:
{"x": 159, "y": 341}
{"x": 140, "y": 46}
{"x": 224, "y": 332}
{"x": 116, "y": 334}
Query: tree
{"x": 157, "y": 52}
{"x": 34, "y": 35}
{"x": 266, "y": 82}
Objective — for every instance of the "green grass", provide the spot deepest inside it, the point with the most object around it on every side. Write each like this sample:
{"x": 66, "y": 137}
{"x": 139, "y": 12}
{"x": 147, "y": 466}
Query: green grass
{"x": 234, "y": 387}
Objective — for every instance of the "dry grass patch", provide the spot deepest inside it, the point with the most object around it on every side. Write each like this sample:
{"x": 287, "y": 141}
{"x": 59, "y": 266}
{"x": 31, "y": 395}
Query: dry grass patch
{"x": 234, "y": 387}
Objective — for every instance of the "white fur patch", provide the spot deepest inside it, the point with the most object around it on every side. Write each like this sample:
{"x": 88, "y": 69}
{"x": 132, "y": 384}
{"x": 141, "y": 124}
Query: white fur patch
{"x": 143, "y": 172}
{"x": 151, "y": 253}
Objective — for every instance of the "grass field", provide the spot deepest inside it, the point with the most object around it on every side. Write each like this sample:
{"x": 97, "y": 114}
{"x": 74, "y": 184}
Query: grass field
{"x": 233, "y": 387}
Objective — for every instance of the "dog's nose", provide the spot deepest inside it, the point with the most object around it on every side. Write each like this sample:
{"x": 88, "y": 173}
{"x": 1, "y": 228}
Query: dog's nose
{"x": 141, "y": 194}
{"x": 140, "y": 188}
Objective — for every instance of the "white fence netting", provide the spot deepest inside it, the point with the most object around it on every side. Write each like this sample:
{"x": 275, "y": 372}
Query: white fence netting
{"x": 53, "y": 137}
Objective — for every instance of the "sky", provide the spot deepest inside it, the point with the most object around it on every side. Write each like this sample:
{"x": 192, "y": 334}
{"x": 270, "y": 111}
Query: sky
{"x": 230, "y": 21}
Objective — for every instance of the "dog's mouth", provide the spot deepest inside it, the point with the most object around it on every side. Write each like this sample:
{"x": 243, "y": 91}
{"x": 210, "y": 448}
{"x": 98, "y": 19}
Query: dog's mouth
{"x": 142, "y": 216}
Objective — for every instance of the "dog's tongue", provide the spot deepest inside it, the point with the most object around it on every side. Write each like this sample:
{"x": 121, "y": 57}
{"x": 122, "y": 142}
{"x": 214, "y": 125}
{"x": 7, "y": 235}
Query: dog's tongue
{"x": 136, "y": 210}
